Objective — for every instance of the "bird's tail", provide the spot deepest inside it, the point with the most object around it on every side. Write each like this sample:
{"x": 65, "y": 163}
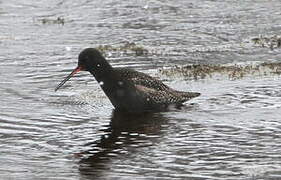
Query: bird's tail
{"x": 193, "y": 94}
{"x": 188, "y": 95}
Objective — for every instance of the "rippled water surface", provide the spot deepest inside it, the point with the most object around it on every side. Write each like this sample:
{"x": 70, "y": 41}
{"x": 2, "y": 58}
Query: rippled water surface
{"x": 232, "y": 131}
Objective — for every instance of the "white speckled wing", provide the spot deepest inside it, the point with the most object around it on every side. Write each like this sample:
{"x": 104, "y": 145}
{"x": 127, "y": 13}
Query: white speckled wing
{"x": 139, "y": 78}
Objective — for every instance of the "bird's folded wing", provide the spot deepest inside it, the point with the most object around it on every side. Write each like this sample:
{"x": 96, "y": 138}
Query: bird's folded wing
{"x": 159, "y": 97}
{"x": 139, "y": 78}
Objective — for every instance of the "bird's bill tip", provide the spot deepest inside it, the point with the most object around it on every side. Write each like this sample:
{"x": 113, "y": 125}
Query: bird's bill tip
{"x": 76, "y": 70}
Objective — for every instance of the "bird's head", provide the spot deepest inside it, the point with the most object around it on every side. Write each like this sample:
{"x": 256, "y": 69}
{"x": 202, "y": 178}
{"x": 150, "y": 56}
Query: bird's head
{"x": 91, "y": 60}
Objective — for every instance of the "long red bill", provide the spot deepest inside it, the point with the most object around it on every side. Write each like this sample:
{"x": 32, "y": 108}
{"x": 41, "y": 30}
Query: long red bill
{"x": 76, "y": 70}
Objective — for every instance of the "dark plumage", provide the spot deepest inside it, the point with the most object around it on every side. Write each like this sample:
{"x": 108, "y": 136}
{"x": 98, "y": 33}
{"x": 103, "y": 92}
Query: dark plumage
{"x": 127, "y": 89}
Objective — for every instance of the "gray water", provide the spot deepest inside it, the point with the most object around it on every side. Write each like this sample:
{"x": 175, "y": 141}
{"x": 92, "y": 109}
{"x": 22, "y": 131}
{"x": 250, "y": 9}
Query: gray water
{"x": 232, "y": 131}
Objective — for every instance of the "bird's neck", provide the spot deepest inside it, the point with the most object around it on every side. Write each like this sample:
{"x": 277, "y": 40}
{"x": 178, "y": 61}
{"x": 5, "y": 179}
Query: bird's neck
{"x": 108, "y": 81}
{"x": 106, "y": 74}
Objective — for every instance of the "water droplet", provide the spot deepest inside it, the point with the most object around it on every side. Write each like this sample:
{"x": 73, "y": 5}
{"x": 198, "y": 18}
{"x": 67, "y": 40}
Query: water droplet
{"x": 67, "y": 48}
{"x": 146, "y": 6}
{"x": 109, "y": 54}
{"x": 101, "y": 83}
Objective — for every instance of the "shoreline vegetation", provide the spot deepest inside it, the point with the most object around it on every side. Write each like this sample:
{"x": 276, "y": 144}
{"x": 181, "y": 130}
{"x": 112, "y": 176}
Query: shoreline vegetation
{"x": 231, "y": 71}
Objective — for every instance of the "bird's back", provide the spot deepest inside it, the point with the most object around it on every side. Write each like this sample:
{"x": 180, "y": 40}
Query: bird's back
{"x": 153, "y": 89}
{"x": 142, "y": 79}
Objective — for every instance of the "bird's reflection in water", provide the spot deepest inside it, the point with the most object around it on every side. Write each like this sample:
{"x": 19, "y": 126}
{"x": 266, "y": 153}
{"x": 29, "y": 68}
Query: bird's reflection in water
{"x": 124, "y": 130}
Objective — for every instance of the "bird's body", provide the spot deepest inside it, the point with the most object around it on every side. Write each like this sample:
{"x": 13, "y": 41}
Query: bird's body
{"x": 130, "y": 90}
{"x": 127, "y": 89}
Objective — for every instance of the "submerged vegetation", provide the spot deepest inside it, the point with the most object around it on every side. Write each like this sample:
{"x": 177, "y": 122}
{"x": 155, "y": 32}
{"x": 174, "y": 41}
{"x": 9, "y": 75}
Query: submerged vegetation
{"x": 269, "y": 42}
{"x": 233, "y": 71}
{"x": 58, "y": 20}
{"x": 127, "y": 48}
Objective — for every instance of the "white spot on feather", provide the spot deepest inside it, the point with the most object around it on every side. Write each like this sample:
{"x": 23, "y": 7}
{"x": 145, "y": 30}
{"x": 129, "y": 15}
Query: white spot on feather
{"x": 120, "y": 83}
{"x": 101, "y": 83}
